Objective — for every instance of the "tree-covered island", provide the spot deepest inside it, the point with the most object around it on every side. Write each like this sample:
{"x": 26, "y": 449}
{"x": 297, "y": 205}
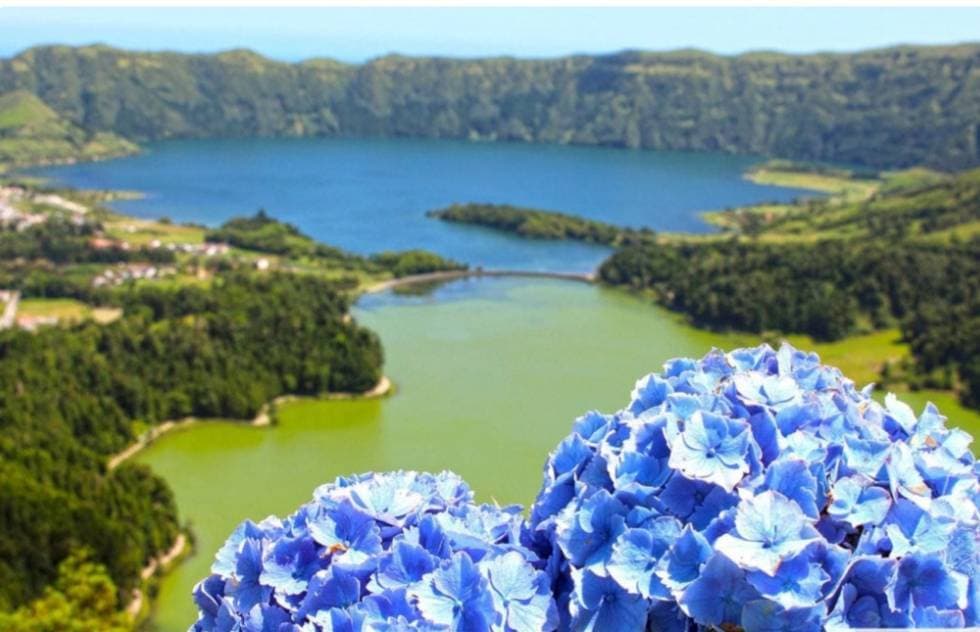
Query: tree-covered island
{"x": 538, "y": 224}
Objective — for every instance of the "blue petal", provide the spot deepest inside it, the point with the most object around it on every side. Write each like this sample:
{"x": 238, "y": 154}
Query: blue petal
{"x": 603, "y": 605}
{"x": 406, "y": 565}
{"x": 717, "y": 596}
{"x": 792, "y": 478}
{"x": 682, "y": 563}
{"x": 765, "y": 616}
{"x": 587, "y": 537}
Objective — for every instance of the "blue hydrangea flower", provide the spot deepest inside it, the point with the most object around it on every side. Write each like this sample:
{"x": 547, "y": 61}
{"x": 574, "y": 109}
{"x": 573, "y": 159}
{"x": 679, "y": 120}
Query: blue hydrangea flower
{"x": 601, "y": 604}
{"x": 521, "y": 595}
{"x": 455, "y": 595}
{"x": 794, "y": 502}
{"x": 713, "y": 449}
{"x": 769, "y": 529}
{"x": 719, "y": 593}
{"x": 756, "y": 490}
{"x": 798, "y": 584}
{"x": 587, "y": 535}
{"x": 635, "y": 556}
{"x": 858, "y": 502}
{"x": 390, "y": 552}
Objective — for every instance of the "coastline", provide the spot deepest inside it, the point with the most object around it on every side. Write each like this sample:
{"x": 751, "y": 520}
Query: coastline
{"x": 146, "y": 439}
{"x": 162, "y": 562}
{"x": 383, "y": 388}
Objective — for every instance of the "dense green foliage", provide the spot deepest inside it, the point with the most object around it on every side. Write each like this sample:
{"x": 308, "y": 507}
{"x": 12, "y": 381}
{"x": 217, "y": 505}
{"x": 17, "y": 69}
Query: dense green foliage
{"x": 55, "y": 497}
{"x": 262, "y": 233}
{"x": 920, "y": 206}
{"x": 538, "y": 224}
{"x": 944, "y": 336}
{"x": 892, "y": 107}
{"x": 82, "y": 599}
{"x": 68, "y": 397}
{"x": 407, "y": 262}
{"x": 826, "y": 289}
{"x": 61, "y": 241}
{"x": 39, "y": 279}
{"x": 32, "y": 133}
{"x": 897, "y": 257}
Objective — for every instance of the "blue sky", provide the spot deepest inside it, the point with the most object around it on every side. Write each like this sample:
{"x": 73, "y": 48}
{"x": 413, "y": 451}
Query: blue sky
{"x": 355, "y": 34}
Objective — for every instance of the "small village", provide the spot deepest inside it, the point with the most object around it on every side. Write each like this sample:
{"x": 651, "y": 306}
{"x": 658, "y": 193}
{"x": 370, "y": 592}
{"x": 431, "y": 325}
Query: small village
{"x": 14, "y": 196}
{"x": 22, "y": 207}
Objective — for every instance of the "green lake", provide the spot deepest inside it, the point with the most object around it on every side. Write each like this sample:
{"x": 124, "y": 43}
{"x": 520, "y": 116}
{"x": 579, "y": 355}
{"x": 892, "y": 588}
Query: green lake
{"x": 490, "y": 374}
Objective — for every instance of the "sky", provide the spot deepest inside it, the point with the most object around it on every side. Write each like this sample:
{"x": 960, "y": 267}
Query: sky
{"x": 356, "y": 34}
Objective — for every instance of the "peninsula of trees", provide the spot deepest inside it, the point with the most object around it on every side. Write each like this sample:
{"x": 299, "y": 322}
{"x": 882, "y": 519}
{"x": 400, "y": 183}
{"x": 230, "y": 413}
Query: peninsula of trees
{"x": 537, "y": 224}
{"x": 261, "y": 233}
{"x": 892, "y": 107}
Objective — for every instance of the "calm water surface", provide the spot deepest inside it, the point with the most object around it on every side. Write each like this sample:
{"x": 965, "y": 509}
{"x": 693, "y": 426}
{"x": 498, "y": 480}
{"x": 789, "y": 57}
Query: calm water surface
{"x": 490, "y": 374}
{"x": 372, "y": 195}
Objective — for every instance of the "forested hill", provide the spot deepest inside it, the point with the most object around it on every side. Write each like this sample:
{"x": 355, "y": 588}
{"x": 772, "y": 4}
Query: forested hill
{"x": 908, "y": 255}
{"x": 884, "y": 108}
{"x": 70, "y": 397}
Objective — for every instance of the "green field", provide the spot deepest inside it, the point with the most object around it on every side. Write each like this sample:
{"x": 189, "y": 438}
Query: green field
{"x": 143, "y": 231}
{"x": 843, "y": 186}
{"x": 64, "y": 309}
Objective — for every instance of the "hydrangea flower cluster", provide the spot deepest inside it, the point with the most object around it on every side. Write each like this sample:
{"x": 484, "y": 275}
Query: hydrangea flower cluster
{"x": 379, "y": 552}
{"x": 759, "y": 490}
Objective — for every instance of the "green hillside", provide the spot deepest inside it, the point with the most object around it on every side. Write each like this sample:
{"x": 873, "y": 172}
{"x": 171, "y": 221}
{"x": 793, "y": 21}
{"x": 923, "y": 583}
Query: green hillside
{"x": 22, "y": 112}
{"x": 33, "y": 133}
{"x": 907, "y": 256}
{"x": 895, "y": 107}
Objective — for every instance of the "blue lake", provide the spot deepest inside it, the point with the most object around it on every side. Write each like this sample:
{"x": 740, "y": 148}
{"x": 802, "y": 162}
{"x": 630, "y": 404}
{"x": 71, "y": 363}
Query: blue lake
{"x": 368, "y": 195}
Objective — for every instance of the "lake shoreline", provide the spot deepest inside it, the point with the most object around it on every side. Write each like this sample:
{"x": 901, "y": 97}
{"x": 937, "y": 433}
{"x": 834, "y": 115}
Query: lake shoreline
{"x": 162, "y": 563}
{"x": 268, "y": 412}
{"x": 383, "y": 388}
{"x": 453, "y": 275}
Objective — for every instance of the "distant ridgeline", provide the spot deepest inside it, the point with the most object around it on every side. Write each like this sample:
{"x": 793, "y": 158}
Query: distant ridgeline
{"x": 884, "y": 108}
